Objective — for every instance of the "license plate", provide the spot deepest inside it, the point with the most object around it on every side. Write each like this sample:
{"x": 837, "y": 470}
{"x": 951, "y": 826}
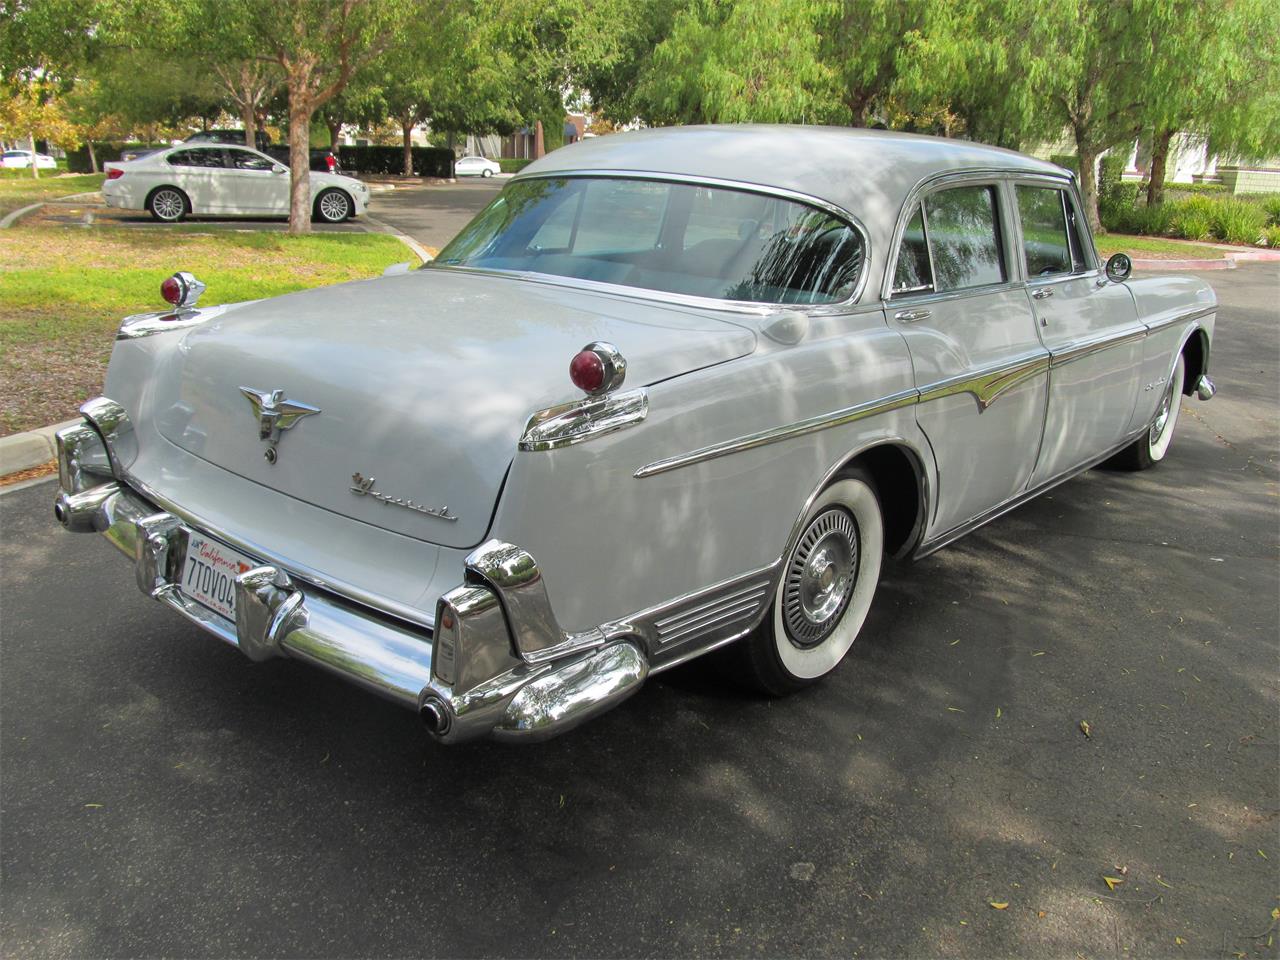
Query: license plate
{"x": 209, "y": 575}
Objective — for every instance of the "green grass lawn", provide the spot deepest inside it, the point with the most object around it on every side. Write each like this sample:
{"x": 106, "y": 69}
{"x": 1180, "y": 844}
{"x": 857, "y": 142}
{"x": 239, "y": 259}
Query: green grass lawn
{"x": 18, "y": 188}
{"x": 1155, "y": 248}
{"x": 64, "y": 291}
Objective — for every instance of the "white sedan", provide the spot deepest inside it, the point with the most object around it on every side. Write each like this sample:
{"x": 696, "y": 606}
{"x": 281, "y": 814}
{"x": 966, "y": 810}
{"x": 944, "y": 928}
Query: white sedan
{"x": 223, "y": 180}
{"x": 476, "y": 167}
{"x": 21, "y": 160}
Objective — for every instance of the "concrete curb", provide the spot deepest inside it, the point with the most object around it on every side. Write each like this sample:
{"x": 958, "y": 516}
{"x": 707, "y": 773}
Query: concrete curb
{"x": 1221, "y": 263}
{"x": 381, "y": 227}
{"x": 12, "y": 218}
{"x": 31, "y": 448}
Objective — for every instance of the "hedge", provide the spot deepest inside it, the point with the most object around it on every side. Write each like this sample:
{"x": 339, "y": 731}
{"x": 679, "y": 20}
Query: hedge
{"x": 78, "y": 160}
{"x": 512, "y": 165}
{"x": 427, "y": 161}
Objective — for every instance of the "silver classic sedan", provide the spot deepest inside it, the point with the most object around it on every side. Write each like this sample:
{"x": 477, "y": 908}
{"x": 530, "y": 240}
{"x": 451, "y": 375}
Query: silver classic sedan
{"x": 671, "y": 390}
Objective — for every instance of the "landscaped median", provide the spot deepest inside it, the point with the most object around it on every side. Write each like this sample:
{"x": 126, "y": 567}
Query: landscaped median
{"x": 64, "y": 291}
{"x": 19, "y": 189}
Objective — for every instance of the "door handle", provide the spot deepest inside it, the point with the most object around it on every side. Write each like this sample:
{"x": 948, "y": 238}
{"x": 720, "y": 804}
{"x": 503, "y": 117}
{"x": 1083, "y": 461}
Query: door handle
{"x": 1043, "y": 293}
{"x": 911, "y": 316}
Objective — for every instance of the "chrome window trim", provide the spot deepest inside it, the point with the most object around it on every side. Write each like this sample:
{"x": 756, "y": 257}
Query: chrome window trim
{"x": 1070, "y": 194}
{"x": 825, "y": 421}
{"x": 715, "y": 303}
{"x": 964, "y": 293}
{"x": 994, "y": 176}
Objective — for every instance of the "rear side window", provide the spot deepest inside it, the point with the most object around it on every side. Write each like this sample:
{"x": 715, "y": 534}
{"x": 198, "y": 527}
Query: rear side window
{"x": 951, "y": 242}
{"x": 1045, "y": 240}
{"x": 211, "y": 157}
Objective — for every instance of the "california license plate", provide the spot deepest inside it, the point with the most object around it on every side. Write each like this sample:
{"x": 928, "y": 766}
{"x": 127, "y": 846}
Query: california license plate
{"x": 209, "y": 575}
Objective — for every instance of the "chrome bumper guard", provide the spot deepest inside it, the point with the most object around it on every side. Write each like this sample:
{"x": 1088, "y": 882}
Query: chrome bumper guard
{"x": 497, "y": 665}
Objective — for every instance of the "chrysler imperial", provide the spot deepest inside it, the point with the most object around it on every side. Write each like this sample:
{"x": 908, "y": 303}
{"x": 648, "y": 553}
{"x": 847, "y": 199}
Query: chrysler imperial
{"x": 671, "y": 390}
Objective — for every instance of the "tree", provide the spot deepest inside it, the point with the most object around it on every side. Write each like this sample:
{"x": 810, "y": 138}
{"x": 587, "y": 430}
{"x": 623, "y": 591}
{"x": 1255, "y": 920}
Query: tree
{"x": 31, "y": 114}
{"x": 1218, "y": 76}
{"x": 248, "y": 84}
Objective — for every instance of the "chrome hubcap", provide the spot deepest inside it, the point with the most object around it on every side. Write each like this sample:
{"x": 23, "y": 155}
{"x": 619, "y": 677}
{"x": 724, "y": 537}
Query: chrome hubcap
{"x": 820, "y": 577}
{"x": 1157, "y": 428}
{"x": 168, "y": 204}
{"x": 334, "y": 206}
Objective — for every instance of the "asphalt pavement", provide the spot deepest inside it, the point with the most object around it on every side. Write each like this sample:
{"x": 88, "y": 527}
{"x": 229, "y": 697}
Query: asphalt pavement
{"x": 433, "y": 214}
{"x": 160, "y": 795}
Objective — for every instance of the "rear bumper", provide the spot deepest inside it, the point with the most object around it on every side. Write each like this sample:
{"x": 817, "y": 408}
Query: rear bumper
{"x": 497, "y": 663}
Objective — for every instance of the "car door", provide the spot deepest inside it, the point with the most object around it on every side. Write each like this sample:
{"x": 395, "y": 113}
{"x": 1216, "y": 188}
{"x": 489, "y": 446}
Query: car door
{"x": 979, "y": 365}
{"x": 256, "y": 187}
{"x": 1088, "y": 324}
{"x": 197, "y": 171}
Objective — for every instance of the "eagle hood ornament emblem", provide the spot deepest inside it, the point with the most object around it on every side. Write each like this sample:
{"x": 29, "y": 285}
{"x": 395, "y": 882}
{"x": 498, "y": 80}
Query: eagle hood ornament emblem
{"x": 275, "y": 415}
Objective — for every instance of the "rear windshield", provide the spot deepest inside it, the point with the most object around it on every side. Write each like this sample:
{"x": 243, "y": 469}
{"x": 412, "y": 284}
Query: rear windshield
{"x": 670, "y": 237}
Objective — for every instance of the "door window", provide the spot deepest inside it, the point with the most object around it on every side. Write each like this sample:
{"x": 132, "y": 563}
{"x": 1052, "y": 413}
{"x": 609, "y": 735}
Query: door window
{"x": 1046, "y": 242}
{"x": 244, "y": 160}
{"x": 964, "y": 241}
{"x": 208, "y": 157}
{"x": 951, "y": 242}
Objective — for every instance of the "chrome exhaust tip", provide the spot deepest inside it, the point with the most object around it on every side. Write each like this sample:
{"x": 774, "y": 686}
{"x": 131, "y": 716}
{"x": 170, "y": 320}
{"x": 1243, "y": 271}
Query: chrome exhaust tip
{"x": 60, "y": 509}
{"x": 435, "y": 717}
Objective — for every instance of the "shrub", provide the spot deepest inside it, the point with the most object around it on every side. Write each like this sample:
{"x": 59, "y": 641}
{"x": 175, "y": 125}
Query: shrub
{"x": 1271, "y": 236}
{"x": 1271, "y": 206}
{"x": 1191, "y": 219}
{"x": 427, "y": 161}
{"x": 512, "y": 165}
{"x": 1238, "y": 221}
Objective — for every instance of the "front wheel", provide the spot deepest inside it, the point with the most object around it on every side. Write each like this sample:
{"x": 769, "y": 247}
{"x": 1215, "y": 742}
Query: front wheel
{"x": 1150, "y": 448}
{"x": 487, "y": 173}
{"x": 825, "y": 591}
{"x": 333, "y": 206}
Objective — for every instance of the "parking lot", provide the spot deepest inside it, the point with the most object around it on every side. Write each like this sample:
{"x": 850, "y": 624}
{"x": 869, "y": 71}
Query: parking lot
{"x": 161, "y": 795}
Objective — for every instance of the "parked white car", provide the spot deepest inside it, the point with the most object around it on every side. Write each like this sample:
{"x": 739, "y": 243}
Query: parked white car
{"x": 476, "y": 167}
{"x": 21, "y": 160}
{"x": 223, "y": 180}
{"x": 671, "y": 390}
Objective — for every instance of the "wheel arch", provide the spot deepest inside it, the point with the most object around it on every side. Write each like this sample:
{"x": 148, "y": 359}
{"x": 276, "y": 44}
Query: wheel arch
{"x": 902, "y": 485}
{"x": 1195, "y": 351}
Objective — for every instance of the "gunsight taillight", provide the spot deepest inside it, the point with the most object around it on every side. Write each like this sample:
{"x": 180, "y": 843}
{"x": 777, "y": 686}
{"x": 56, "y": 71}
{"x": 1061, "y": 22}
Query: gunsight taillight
{"x": 598, "y": 368}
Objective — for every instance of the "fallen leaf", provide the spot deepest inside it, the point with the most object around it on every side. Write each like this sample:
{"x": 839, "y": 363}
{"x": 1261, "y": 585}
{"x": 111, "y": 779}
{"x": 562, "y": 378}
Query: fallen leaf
{"x": 94, "y": 806}
{"x": 1113, "y": 882}
{"x": 1040, "y": 653}
{"x": 1179, "y": 941}
{"x": 999, "y": 906}
{"x": 953, "y": 642}
{"x": 955, "y": 709}
{"x": 1263, "y": 855}
{"x": 1041, "y": 914}
{"x": 1084, "y": 728}
{"x": 997, "y": 713}
{"x": 1162, "y": 883}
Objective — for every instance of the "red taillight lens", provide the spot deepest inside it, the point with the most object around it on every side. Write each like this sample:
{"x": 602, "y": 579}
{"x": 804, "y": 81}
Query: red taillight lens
{"x": 586, "y": 370}
{"x": 115, "y": 174}
{"x": 172, "y": 290}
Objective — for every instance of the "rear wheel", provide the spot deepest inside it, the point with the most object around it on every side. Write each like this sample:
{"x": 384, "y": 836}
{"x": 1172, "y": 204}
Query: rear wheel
{"x": 333, "y": 206}
{"x": 168, "y": 204}
{"x": 828, "y": 581}
{"x": 486, "y": 172}
{"x": 1150, "y": 448}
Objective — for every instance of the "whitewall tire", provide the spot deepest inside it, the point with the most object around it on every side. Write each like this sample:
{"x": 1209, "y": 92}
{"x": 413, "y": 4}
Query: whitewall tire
{"x": 824, "y": 593}
{"x": 1152, "y": 447}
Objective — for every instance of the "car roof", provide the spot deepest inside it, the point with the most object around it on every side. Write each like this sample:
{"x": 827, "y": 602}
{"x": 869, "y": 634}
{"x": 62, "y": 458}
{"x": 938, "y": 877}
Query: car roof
{"x": 869, "y": 173}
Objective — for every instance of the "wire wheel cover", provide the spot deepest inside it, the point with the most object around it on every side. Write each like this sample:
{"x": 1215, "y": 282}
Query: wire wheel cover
{"x": 168, "y": 204}
{"x": 820, "y": 577}
{"x": 334, "y": 206}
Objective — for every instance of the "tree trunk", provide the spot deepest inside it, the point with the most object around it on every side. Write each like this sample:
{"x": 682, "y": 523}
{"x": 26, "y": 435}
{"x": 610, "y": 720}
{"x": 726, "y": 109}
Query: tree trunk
{"x": 335, "y": 132}
{"x": 1159, "y": 161}
{"x": 300, "y": 110}
{"x": 31, "y": 145}
{"x": 250, "y": 121}
{"x": 1088, "y": 157}
{"x": 407, "y": 130}
{"x": 93, "y": 160}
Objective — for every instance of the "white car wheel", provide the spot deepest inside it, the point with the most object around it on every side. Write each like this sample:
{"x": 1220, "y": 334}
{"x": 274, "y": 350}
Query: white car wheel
{"x": 333, "y": 206}
{"x": 828, "y": 582}
{"x": 486, "y": 172}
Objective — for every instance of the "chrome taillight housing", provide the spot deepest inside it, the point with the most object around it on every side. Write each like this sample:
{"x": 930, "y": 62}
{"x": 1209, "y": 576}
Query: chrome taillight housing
{"x": 182, "y": 289}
